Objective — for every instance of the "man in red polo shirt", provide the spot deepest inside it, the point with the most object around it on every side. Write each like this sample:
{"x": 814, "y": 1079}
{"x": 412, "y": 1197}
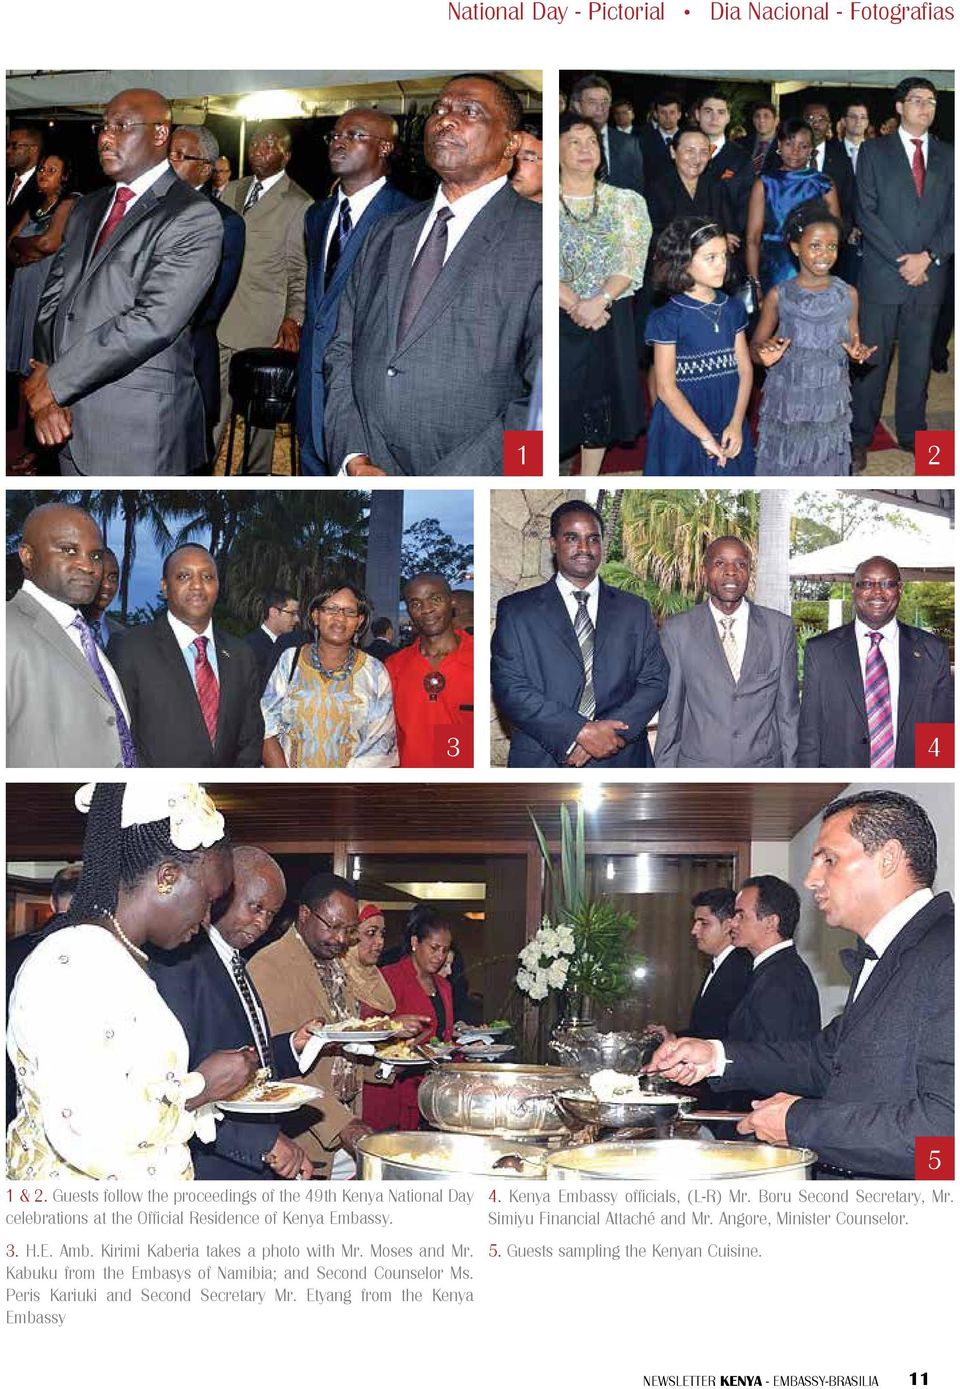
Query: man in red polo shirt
{"x": 433, "y": 680}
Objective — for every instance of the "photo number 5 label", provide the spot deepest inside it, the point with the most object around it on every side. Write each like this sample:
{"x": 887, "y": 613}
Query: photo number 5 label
{"x": 933, "y": 1159}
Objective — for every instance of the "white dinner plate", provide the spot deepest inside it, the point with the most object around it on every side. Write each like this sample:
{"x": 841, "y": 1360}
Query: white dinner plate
{"x": 351, "y": 1034}
{"x": 296, "y": 1095}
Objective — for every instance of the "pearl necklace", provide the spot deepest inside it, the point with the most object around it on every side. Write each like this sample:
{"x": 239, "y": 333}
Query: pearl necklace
{"x": 135, "y": 951}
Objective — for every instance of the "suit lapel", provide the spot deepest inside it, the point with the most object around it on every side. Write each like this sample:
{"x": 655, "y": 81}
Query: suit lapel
{"x": 757, "y": 652}
{"x": 98, "y": 204}
{"x": 606, "y": 618}
{"x": 228, "y": 686}
{"x": 558, "y": 619}
{"x": 710, "y": 634}
{"x": 318, "y": 259}
{"x": 371, "y": 213}
{"x": 131, "y": 219}
{"x": 848, "y": 662}
{"x": 911, "y": 667}
{"x": 402, "y": 246}
{"x": 49, "y": 630}
{"x": 176, "y": 663}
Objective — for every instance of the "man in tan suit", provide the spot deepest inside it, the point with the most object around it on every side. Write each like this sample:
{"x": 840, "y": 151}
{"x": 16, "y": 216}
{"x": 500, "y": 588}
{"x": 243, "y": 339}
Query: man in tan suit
{"x": 301, "y": 976}
{"x": 269, "y": 302}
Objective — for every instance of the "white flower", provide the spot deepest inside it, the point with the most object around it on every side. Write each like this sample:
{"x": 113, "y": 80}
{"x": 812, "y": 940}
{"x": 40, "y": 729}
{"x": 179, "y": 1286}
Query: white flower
{"x": 557, "y": 974}
{"x": 538, "y": 988}
{"x": 549, "y": 941}
{"x": 525, "y": 980}
{"x": 566, "y": 940}
{"x": 530, "y": 955}
{"x": 194, "y": 820}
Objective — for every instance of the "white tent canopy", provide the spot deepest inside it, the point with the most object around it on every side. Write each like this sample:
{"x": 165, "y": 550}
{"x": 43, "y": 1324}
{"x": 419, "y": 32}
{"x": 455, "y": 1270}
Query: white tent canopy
{"x": 919, "y": 557}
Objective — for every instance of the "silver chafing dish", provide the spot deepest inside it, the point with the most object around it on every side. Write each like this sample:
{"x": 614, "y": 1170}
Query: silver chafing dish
{"x": 665, "y": 1160}
{"x": 509, "y": 1101}
{"x": 441, "y": 1157}
{"x": 586, "y": 1050}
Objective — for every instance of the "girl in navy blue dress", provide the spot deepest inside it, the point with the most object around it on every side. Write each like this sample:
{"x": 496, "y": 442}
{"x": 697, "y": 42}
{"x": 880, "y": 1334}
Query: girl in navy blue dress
{"x": 701, "y": 360}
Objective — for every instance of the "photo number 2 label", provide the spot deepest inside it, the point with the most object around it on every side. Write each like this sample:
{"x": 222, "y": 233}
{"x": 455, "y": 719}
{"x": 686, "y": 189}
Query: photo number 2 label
{"x": 933, "y": 1159}
{"x": 933, "y": 452}
{"x": 933, "y": 745}
{"x": 522, "y": 453}
{"x": 453, "y": 745}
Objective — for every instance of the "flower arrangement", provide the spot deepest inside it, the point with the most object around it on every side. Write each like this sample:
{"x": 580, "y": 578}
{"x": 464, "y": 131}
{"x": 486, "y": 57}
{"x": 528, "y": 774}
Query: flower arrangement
{"x": 582, "y": 949}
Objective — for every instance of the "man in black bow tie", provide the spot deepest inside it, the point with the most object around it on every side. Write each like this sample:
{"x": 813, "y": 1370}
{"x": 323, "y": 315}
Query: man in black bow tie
{"x": 881, "y": 1074}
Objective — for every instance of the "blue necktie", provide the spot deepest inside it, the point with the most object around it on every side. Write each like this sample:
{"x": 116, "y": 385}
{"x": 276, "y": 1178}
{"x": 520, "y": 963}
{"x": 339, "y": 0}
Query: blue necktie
{"x": 338, "y": 241}
{"x": 89, "y": 647}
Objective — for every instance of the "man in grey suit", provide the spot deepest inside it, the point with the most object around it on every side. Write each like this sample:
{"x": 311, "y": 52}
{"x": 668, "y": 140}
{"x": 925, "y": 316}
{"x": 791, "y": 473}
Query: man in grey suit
{"x": 65, "y": 706}
{"x": 438, "y": 336}
{"x": 269, "y": 302}
{"x": 114, "y": 384}
{"x": 733, "y": 699}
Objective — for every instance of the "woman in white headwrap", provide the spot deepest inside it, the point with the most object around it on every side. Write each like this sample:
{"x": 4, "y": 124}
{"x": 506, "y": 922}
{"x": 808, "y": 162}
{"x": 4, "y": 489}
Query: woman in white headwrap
{"x": 104, "y": 1089}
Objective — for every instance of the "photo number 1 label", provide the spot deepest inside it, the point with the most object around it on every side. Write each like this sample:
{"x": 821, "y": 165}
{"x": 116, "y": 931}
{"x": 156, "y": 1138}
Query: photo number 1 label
{"x": 453, "y": 745}
{"x": 933, "y": 452}
{"x": 933, "y": 1159}
{"x": 933, "y": 745}
{"x": 522, "y": 453}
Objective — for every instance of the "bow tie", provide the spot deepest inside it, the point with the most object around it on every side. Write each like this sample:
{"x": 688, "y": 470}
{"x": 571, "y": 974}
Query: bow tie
{"x": 853, "y": 960}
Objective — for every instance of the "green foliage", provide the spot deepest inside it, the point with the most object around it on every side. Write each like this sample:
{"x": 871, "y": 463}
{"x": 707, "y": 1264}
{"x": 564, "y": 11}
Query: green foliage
{"x": 426, "y": 546}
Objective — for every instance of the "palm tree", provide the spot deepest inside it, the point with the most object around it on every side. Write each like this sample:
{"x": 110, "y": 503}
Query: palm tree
{"x": 666, "y": 532}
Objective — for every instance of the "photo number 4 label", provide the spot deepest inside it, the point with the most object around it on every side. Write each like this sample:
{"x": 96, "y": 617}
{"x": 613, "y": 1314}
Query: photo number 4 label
{"x": 933, "y": 745}
{"x": 453, "y": 745}
{"x": 522, "y": 453}
{"x": 933, "y": 452}
{"x": 933, "y": 1159}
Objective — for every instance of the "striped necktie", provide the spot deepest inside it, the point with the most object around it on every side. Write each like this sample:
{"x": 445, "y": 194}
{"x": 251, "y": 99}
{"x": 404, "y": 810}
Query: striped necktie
{"x": 583, "y": 628}
{"x": 264, "y": 1049}
{"x": 876, "y": 691}
{"x": 253, "y": 197}
{"x": 208, "y": 690}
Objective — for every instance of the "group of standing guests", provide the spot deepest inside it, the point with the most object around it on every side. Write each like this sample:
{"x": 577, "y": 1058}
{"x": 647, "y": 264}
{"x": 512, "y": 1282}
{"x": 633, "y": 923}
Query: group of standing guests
{"x": 85, "y": 690}
{"x": 138, "y": 1008}
{"x": 699, "y": 258}
{"x": 387, "y": 308}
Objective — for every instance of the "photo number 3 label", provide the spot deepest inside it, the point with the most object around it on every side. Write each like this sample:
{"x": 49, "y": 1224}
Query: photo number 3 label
{"x": 933, "y": 452}
{"x": 933, "y": 745}
{"x": 453, "y": 745}
{"x": 522, "y": 453}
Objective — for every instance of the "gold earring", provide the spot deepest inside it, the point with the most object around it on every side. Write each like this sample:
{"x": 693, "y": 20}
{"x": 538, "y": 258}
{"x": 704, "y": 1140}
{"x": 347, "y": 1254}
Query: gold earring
{"x": 165, "y": 888}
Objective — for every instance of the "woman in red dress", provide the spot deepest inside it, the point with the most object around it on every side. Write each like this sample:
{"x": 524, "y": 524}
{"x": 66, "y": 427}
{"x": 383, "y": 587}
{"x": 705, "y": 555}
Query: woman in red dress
{"x": 418, "y": 988}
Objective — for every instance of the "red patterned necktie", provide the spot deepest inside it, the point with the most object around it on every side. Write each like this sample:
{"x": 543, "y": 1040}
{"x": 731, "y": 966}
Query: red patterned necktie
{"x": 879, "y": 710}
{"x": 14, "y": 190}
{"x": 918, "y": 168}
{"x": 121, "y": 198}
{"x": 208, "y": 691}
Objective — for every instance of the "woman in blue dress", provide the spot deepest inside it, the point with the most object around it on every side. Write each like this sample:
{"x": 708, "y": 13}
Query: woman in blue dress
{"x": 701, "y": 361}
{"x": 774, "y": 197}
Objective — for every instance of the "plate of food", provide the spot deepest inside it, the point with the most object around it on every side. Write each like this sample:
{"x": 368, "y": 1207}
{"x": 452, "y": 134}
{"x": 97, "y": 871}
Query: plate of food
{"x": 379, "y": 1029}
{"x": 270, "y": 1097}
{"x": 484, "y": 1051}
{"x": 465, "y": 1031}
{"x": 402, "y": 1054}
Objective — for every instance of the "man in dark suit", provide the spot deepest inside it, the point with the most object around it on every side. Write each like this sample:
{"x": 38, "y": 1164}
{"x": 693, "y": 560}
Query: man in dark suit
{"x": 730, "y": 164}
{"x": 281, "y": 617}
{"x": 730, "y": 969}
{"x": 656, "y": 140}
{"x": 881, "y": 1074}
{"x": 102, "y": 626}
{"x": 733, "y": 699}
{"x": 761, "y": 145}
{"x": 383, "y": 645}
{"x": 24, "y": 148}
{"x": 577, "y": 668}
{"x": 207, "y": 988}
{"x": 195, "y": 690}
{"x": 438, "y": 338}
{"x": 362, "y": 144}
{"x": 781, "y": 1000}
{"x": 904, "y": 209}
{"x": 592, "y": 96}
{"x": 193, "y": 156}
{"x": 831, "y": 158}
{"x": 114, "y": 385}
{"x": 867, "y": 684}
{"x": 65, "y": 704}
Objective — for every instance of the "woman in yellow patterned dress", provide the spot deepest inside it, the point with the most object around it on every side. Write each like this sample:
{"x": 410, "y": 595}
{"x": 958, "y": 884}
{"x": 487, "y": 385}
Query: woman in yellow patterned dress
{"x": 328, "y": 703}
{"x": 104, "y": 1086}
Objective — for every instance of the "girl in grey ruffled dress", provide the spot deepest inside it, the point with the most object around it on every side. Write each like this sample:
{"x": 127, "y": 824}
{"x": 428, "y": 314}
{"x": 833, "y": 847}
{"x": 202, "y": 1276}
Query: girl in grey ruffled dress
{"x": 807, "y": 337}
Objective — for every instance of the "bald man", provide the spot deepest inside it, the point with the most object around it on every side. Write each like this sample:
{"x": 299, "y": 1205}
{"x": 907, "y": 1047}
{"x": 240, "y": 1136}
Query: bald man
{"x": 65, "y": 706}
{"x": 113, "y": 386}
{"x": 207, "y": 987}
{"x": 361, "y": 147}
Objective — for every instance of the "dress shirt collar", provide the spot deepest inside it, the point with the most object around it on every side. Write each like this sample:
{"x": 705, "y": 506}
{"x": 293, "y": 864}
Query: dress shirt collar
{"x": 890, "y": 633}
{"x": 741, "y": 610}
{"x": 360, "y": 200}
{"x": 27, "y": 173}
{"x": 569, "y": 590}
{"x": 719, "y": 959}
{"x": 771, "y": 950}
{"x": 225, "y": 951}
{"x": 267, "y": 183}
{"x": 466, "y": 208}
{"x": 890, "y": 925}
{"x": 907, "y": 142}
{"x": 265, "y": 628}
{"x": 185, "y": 635}
{"x": 61, "y": 612}
{"x": 718, "y": 142}
{"x": 140, "y": 185}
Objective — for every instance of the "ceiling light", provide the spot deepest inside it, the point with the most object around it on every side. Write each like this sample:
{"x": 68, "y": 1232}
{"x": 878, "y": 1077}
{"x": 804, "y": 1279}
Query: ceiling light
{"x": 591, "y": 796}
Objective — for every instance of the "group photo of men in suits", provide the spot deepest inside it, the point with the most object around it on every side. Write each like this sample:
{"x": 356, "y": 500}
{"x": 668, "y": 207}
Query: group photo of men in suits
{"x": 877, "y": 159}
{"x": 641, "y": 648}
{"x": 313, "y": 314}
{"x": 166, "y": 654}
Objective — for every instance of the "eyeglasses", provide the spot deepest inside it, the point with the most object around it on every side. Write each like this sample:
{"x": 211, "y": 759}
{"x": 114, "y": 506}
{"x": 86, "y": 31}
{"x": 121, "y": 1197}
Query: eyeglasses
{"x": 21, "y": 145}
{"x": 356, "y": 137}
{"x": 189, "y": 159}
{"x": 332, "y": 610}
{"x": 121, "y": 127}
{"x": 331, "y": 925}
{"x": 884, "y": 585}
{"x": 289, "y": 612}
{"x": 920, "y": 101}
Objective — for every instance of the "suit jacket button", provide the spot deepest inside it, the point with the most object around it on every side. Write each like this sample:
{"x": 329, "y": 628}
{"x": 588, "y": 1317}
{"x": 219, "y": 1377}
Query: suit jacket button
{"x": 836, "y": 1068}
{"x": 111, "y": 721}
{"x": 391, "y": 371}
{"x": 70, "y": 317}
